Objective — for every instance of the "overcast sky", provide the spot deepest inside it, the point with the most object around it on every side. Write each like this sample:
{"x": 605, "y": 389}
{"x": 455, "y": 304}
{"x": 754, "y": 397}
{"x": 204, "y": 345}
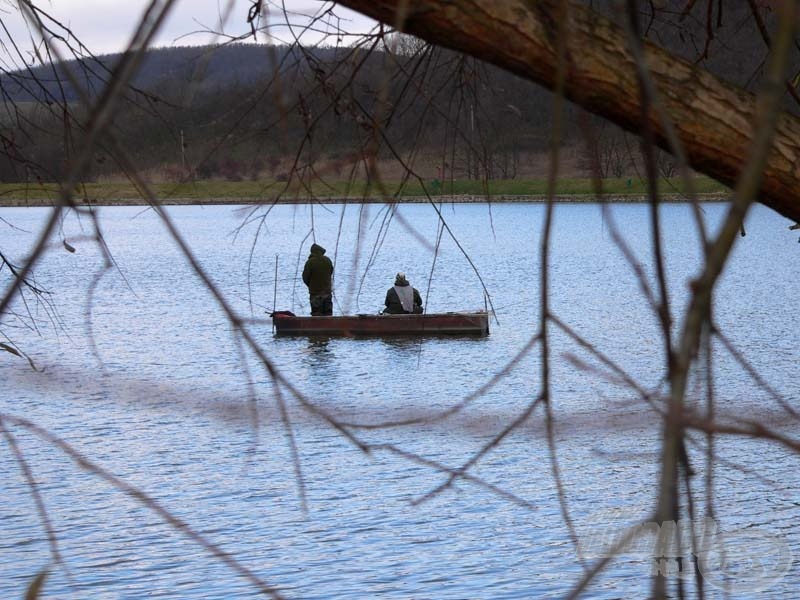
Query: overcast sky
{"x": 107, "y": 25}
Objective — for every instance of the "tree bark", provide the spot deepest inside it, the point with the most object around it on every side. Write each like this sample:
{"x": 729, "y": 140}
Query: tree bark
{"x": 713, "y": 119}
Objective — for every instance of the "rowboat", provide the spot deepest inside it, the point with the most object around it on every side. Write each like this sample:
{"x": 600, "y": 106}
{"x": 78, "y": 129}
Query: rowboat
{"x": 451, "y": 323}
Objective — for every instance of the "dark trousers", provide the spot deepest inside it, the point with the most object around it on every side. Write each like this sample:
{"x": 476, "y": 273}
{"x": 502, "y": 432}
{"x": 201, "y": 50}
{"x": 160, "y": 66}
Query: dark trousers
{"x": 321, "y": 305}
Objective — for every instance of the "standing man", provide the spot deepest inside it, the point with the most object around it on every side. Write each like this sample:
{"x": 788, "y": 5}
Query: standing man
{"x": 317, "y": 275}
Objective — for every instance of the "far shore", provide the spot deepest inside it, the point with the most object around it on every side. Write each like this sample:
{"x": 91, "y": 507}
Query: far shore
{"x": 447, "y": 199}
{"x": 568, "y": 189}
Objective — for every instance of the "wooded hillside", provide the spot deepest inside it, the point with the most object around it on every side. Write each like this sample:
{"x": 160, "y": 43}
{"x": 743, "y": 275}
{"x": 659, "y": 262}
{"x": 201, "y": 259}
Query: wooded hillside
{"x": 244, "y": 111}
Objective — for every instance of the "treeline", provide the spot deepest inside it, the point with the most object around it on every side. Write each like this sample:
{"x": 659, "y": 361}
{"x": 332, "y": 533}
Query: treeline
{"x": 246, "y": 111}
{"x": 241, "y": 111}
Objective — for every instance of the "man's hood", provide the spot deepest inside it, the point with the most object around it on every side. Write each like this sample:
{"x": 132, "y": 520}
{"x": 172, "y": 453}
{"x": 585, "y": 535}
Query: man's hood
{"x": 317, "y": 249}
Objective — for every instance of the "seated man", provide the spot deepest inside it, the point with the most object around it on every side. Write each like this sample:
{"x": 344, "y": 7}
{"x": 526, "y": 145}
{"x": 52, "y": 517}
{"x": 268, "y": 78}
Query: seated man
{"x": 402, "y": 298}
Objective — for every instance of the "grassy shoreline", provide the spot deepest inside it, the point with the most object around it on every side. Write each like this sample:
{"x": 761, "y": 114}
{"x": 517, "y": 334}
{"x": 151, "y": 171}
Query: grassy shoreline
{"x": 268, "y": 192}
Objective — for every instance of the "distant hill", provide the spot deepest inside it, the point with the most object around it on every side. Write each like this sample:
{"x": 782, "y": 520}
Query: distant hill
{"x": 208, "y": 67}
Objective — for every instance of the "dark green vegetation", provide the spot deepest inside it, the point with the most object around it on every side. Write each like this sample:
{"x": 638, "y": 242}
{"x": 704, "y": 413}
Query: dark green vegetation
{"x": 520, "y": 190}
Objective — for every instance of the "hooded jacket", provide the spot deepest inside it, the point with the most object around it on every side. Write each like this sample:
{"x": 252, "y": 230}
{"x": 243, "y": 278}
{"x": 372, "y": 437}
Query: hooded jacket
{"x": 318, "y": 271}
{"x": 394, "y": 304}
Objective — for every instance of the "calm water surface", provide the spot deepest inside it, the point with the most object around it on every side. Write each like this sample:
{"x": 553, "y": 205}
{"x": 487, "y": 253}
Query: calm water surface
{"x": 140, "y": 373}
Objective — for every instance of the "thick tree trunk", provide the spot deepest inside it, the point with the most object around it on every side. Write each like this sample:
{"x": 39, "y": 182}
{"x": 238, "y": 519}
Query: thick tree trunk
{"x": 713, "y": 118}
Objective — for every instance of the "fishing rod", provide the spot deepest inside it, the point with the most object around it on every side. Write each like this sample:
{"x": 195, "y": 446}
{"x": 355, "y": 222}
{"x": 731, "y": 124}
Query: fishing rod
{"x": 275, "y": 292}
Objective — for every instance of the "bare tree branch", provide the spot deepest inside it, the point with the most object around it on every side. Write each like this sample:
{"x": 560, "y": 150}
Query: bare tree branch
{"x": 713, "y": 119}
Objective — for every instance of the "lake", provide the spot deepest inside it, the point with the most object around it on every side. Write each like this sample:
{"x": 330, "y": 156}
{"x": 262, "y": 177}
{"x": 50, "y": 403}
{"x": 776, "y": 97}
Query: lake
{"x": 140, "y": 372}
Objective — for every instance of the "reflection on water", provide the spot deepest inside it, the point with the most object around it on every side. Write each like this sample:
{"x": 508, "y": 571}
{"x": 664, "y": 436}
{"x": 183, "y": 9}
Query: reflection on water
{"x": 319, "y": 346}
{"x": 171, "y": 412}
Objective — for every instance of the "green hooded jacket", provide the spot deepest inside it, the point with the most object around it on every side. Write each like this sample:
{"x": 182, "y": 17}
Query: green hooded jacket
{"x": 318, "y": 271}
